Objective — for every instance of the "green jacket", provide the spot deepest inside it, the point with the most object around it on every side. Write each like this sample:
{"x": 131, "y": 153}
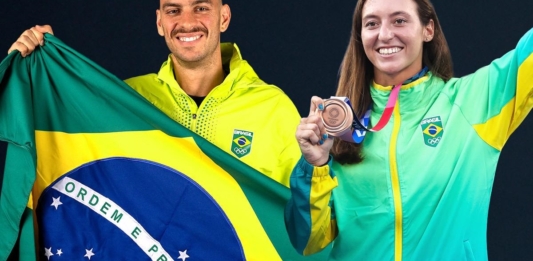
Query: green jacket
{"x": 423, "y": 189}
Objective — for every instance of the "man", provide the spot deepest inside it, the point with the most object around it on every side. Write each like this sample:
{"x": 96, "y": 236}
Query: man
{"x": 206, "y": 86}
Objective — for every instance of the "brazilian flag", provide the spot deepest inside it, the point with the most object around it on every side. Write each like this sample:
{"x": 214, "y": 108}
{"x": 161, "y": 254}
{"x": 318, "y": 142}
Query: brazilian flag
{"x": 94, "y": 172}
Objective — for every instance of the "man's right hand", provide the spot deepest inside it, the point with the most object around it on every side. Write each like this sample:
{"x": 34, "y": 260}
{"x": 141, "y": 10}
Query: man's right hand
{"x": 30, "y": 39}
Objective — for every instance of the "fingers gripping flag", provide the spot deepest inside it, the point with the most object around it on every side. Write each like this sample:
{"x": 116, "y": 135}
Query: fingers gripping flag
{"x": 107, "y": 176}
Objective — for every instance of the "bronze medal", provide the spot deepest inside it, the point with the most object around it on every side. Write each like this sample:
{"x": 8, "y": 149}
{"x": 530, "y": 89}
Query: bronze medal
{"x": 337, "y": 117}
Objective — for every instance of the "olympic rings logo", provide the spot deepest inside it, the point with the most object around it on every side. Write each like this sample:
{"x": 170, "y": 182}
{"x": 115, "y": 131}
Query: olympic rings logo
{"x": 433, "y": 141}
{"x": 334, "y": 113}
{"x": 240, "y": 151}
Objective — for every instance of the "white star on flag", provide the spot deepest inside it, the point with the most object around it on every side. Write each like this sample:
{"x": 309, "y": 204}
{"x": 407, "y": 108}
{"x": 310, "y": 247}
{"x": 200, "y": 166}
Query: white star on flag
{"x": 48, "y": 252}
{"x": 57, "y": 202}
{"x": 59, "y": 252}
{"x": 89, "y": 253}
{"x": 183, "y": 255}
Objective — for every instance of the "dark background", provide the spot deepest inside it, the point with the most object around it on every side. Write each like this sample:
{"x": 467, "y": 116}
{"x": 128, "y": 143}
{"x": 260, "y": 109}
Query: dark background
{"x": 298, "y": 45}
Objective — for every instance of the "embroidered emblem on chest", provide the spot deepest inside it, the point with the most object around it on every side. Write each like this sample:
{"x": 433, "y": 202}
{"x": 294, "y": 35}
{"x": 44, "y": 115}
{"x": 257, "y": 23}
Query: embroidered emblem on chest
{"x": 242, "y": 142}
{"x": 432, "y": 130}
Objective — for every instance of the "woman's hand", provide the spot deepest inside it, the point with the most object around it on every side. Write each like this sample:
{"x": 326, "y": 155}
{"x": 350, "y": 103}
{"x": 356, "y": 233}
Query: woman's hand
{"x": 312, "y": 137}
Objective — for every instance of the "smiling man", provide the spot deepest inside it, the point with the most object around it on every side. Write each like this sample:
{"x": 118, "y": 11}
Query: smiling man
{"x": 192, "y": 32}
{"x": 207, "y": 86}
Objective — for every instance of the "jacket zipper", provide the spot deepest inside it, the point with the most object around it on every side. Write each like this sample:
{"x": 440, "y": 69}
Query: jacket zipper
{"x": 395, "y": 182}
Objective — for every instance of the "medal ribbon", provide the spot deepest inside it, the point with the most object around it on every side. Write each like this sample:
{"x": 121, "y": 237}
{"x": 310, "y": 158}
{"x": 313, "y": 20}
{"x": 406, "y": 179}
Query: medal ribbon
{"x": 387, "y": 113}
{"x": 360, "y": 126}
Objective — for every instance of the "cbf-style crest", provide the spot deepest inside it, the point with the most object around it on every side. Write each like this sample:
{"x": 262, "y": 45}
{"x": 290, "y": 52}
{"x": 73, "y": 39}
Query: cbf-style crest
{"x": 242, "y": 142}
{"x": 432, "y": 130}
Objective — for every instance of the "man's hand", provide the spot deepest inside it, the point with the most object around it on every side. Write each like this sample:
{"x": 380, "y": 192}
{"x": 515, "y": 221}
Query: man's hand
{"x": 30, "y": 39}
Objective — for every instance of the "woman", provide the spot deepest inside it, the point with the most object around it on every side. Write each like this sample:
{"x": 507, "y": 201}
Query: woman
{"x": 419, "y": 188}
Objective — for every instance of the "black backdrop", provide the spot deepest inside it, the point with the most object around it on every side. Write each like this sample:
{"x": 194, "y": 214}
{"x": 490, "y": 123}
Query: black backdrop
{"x": 298, "y": 45}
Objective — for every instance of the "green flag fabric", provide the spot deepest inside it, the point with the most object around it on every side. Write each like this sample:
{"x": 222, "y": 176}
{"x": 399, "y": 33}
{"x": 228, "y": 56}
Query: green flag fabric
{"x": 107, "y": 176}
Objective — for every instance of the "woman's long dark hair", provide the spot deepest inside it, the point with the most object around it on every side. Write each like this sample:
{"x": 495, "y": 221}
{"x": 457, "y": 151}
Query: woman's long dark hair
{"x": 357, "y": 71}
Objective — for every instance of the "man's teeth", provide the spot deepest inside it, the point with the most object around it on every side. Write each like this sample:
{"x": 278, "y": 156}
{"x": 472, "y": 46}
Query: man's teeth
{"x": 389, "y": 50}
{"x": 189, "y": 39}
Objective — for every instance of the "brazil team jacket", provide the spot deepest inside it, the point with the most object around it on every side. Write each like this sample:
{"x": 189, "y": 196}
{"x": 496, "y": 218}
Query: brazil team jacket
{"x": 246, "y": 117}
{"x": 422, "y": 191}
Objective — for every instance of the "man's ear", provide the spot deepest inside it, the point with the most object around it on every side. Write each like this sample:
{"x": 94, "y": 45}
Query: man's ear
{"x": 158, "y": 23}
{"x": 225, "y": 17}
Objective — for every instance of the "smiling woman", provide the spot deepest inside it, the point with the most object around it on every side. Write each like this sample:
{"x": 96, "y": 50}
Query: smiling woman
{"x": 411, "y": 25}
{"x": 414, "y": 189}
{"x": 393, "y": 40}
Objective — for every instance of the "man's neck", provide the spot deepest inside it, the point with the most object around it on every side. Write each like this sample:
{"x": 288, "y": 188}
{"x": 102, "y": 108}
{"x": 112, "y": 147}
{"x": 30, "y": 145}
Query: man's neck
{"x": 199, "y": 80}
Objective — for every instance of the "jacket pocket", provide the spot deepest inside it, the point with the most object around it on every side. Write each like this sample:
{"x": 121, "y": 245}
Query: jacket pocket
{"x": 469, "y": 255}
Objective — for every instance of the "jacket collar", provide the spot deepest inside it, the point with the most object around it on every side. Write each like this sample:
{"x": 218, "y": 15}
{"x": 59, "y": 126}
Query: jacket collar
{"x": 231, "y": 60}
{"x": 413, "y": 96}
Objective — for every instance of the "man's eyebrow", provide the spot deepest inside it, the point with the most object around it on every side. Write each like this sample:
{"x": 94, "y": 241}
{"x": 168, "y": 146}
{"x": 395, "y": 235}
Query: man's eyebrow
{"x": 194, "y": 3}
{"x": 202, "y": 1}
{"x": 170, "y": 5}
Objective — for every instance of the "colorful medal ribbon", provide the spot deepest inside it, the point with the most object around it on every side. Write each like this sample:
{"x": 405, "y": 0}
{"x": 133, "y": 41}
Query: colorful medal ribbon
{"x": 342, "y": 122}
{"x": 340, "y": 119}
{"x": 360, "y": 127}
